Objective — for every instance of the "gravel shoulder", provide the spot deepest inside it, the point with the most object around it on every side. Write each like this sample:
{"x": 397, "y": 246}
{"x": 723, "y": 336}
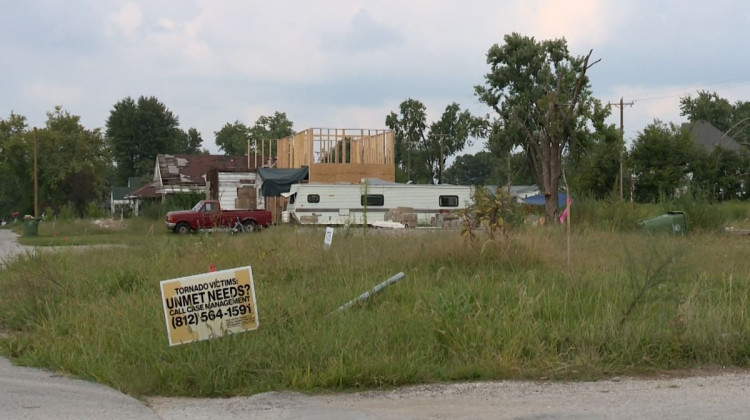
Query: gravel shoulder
{"x": 716, "y": 396}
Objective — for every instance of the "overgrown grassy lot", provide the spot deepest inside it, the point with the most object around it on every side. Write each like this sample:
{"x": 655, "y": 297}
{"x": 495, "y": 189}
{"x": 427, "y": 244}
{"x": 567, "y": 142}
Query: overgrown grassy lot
{"x": 512, "y": 307}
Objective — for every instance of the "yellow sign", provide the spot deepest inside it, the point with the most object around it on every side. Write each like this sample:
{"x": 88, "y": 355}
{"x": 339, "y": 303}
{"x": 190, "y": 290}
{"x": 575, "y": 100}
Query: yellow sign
{"x": 209, "y": 305}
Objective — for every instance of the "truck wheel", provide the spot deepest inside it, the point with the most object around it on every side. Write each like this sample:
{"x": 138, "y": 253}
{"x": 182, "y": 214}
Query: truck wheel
{"x": 250, "y": 226}
{"x": 182, "y": 228}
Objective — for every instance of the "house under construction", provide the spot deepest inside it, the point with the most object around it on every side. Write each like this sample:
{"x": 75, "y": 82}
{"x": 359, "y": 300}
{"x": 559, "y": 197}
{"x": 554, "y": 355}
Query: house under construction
{"x": 335, "y": 154}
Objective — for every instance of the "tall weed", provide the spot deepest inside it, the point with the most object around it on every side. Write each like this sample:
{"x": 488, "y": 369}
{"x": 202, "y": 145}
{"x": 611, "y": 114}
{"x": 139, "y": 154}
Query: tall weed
{"x": 488, "y": 309}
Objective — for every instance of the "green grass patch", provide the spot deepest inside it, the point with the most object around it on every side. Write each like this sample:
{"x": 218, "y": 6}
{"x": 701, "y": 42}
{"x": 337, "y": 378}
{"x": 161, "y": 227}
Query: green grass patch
{"x": 509, "y": 308}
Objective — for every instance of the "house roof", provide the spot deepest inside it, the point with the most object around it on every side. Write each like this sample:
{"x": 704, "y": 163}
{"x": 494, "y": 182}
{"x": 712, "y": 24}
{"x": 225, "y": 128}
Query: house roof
{"x": 118, "y": 193}
{"x": 146, "y": 191}
{"x": 705, "y": 134}
{"x": 191, "y": 170}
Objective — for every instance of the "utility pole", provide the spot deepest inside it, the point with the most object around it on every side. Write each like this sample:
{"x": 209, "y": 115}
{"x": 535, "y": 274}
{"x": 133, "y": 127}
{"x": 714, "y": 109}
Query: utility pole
{"x": 36, "y": 182}
{"x": 621, "y": 105}
{"x": 441, "y": 160}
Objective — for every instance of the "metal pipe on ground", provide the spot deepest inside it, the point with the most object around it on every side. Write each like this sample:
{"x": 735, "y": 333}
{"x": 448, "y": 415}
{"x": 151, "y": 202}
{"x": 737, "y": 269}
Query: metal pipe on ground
{"x": 368, "y": 294}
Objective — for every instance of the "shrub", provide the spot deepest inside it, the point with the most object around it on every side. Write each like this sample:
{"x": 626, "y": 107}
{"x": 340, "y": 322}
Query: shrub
{"x": 67, "y": 212}
{"x": 94, "y": 211}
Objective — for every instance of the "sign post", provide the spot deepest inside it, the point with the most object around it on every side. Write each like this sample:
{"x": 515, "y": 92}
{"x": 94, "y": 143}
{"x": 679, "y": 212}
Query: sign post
{"x": 329, "y": 238}
{"x": 209, "y": 305}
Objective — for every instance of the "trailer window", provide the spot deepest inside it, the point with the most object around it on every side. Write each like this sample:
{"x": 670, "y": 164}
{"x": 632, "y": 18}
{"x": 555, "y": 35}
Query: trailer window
{"x": 448, "y": 201}
{"x": 372, "y": 200}
{"x": 313, "y": 198}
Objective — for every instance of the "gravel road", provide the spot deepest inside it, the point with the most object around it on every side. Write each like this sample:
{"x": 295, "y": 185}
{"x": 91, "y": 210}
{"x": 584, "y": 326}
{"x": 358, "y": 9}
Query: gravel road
{"x": 714, "y": 393}
{"x": 716, "y": 396}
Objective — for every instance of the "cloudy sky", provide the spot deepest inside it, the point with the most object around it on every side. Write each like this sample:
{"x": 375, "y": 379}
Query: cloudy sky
{"x": 348, "y": 63}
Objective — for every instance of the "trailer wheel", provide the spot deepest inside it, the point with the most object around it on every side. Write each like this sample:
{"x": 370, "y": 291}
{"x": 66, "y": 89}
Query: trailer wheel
{"x": 250, "y": 226}
{"x": 182, "y": 228}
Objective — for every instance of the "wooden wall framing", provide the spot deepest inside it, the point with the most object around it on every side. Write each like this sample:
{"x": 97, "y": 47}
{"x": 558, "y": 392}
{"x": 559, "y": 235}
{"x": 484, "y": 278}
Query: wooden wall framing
{"x": 339, "y": 155}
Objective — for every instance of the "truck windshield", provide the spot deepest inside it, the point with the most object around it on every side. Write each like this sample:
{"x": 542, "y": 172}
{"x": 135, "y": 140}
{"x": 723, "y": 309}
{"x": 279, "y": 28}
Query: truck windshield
{"x": 197, "y": 206}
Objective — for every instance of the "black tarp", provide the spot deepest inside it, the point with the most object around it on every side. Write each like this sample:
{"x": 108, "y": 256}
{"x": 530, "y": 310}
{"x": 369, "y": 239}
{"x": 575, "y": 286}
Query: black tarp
{"x": 277, "y": 181}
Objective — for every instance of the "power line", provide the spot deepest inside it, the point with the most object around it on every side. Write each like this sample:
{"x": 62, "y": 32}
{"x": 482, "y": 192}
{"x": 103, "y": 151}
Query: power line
{"x": 677, "y": 92}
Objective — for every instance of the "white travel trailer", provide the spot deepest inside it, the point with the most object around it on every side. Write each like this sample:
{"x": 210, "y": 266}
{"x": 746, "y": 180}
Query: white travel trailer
{"x": 374, "y": 201}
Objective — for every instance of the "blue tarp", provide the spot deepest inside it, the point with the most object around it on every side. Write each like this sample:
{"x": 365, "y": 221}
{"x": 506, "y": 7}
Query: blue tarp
{"x": 538, "y": 200}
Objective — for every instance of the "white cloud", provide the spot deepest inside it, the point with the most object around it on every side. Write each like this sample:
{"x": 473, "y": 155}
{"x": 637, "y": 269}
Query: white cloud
{"x": 167, "y": 24}
{"x": 348, "y": 63}
{"x": 50, "y": 94}
{"x": 127, "y": 20}
{"x": 583, "y": 23}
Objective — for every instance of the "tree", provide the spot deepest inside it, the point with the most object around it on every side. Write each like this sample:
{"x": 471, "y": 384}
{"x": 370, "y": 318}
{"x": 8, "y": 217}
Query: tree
{"x": 232, "y": 138}
{"x": 542, "y": 95}
{"x": 71, "y": 163}
{"x": 708, "y": 107}
{"x": 137, "y": 132}
{"x": 449, "y": 136}
{"x": 272, "y": 127}
{"x": 725, "y": 173}
{"x": 512, "y": 164}
{"x": 409, "y": 131}
{"x": 421, "y": 153}
{"x": 15, "y": 166}
{"x": 662, "y": 156}
{"x": 190, "y": 142}
{"x": 593, "y": 161}
{"x": 477, "y": 169}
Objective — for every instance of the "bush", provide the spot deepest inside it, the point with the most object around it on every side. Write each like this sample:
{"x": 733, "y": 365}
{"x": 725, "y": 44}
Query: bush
{"x": 180, "y": 201}
{"x": 700, "y": 213}
{"x": 67, "y": 213}
{"x": 94, "y": 211}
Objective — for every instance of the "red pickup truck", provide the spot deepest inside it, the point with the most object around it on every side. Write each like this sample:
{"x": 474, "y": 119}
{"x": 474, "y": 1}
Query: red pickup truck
{"x": 207, "y": 214}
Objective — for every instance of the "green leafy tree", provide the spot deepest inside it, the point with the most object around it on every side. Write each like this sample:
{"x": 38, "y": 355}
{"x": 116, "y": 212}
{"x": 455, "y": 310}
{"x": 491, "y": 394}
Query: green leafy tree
{"x": 189, "y": 142}
{"x": 708, "y": 106}
{"x": 409, "y": 128}
{"x": 71, "y": 163}
{"x": 274, "y": 127}
{"x": 448, "y": 136}
{"x": 232, "y": 138}
{"x": 15, "y": 167}
{"x": 139, "y": 130}
{"x": 421, "y": 153}
{"x": 478, "y": 169}
{"x": 721, "y": 173}
{"x": 725, "y": 173}
{"x": 593, "y": 162}
{"x": 512, "y": 163}
{"x": 542, "y": 95}
{"x": 662, "y": 156}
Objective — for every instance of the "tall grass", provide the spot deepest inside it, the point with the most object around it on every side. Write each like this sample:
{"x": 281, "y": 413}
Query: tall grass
{"x": 485, "y": 310}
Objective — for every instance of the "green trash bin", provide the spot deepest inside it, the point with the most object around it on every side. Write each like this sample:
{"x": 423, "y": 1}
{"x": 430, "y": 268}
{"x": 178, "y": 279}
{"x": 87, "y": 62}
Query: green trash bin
{"x": 671, "y": 222}
{"x": 30, "y": 227}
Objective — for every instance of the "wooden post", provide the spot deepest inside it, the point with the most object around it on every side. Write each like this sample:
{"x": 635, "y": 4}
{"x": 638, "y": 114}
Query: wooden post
{"x": 36, "y": 186}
